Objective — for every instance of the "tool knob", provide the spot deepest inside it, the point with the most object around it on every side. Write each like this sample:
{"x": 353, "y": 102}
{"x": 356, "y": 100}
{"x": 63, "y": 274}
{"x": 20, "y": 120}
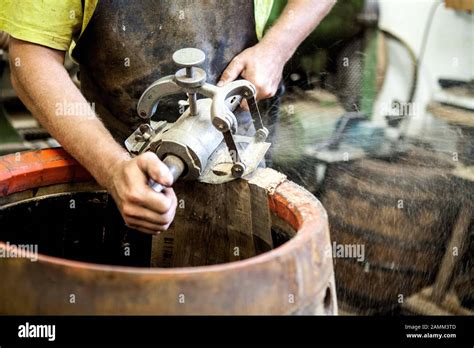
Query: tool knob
{"x": 189, "y": 57}
{"x": 190, "y": 76}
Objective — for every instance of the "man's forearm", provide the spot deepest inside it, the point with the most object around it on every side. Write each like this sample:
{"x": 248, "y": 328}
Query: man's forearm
{"x": 49, "y": 93}
{"x": 298, "y": 20}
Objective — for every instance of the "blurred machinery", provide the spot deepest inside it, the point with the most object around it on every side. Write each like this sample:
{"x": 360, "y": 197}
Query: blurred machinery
{"x": 328, "y": 142}
{"x": 345, "y": 56}
{"x": 351, "y": 65}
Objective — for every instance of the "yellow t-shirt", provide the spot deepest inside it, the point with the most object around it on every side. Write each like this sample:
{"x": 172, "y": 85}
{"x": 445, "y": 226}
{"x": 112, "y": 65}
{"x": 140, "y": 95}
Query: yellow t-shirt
{"x": 59, "y": 23}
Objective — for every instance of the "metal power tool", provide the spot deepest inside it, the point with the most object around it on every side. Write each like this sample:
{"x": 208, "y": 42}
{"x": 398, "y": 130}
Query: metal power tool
{"x": 202, "y": 144}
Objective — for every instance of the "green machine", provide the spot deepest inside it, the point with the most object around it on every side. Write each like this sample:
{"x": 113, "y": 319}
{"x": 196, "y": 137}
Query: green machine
{"x": 347, "y": 34}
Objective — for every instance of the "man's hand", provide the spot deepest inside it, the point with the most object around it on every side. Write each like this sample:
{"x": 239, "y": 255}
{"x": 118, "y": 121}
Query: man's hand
{"x": 85, "y": 137}
{"x": 141, "y": 207}
{"x": 261, "y": 64}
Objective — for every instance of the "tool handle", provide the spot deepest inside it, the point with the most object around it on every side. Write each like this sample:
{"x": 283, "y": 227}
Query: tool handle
{"x": 155, "y": 186}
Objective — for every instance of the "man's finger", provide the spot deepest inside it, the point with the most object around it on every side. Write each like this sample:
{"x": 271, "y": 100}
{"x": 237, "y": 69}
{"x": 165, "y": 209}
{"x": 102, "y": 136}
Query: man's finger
{"x": 144, "y": 226}
{"x": 232, "y": 71}
{"x": 157, "y": 202}
{"x": 151, "y": 216}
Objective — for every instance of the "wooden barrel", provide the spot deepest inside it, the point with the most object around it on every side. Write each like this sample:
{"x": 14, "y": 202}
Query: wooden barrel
{"x": 246, "y": 247}
{"x": 464, "y": 278}
{"x": 399, "y": 214}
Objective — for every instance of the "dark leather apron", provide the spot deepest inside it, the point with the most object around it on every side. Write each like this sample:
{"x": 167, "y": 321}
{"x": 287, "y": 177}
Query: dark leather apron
{"x": 128, "y": 45}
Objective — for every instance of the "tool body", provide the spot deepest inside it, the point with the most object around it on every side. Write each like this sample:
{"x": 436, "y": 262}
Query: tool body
{"x": 202, "y": 144}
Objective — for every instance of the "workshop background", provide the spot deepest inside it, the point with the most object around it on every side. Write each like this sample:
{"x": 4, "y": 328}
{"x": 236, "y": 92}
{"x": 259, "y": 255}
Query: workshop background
{"x": 377, "y": 121}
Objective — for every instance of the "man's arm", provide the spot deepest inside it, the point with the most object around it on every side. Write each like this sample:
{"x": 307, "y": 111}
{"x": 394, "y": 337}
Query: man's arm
{"x": 263, "y": 63}
{"x": 44, "y": 86}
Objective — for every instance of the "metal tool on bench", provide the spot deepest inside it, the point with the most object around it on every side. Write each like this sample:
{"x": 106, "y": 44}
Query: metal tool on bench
{"x": 201, "y": 144}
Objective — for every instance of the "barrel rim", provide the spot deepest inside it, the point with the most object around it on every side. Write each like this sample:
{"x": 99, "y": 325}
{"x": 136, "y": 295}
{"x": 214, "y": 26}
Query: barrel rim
{"x": 306, "y": 214}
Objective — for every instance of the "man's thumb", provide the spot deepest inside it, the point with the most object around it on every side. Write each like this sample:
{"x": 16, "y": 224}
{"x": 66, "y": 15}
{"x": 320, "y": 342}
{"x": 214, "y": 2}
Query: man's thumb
{"x": 155, "y": 169}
